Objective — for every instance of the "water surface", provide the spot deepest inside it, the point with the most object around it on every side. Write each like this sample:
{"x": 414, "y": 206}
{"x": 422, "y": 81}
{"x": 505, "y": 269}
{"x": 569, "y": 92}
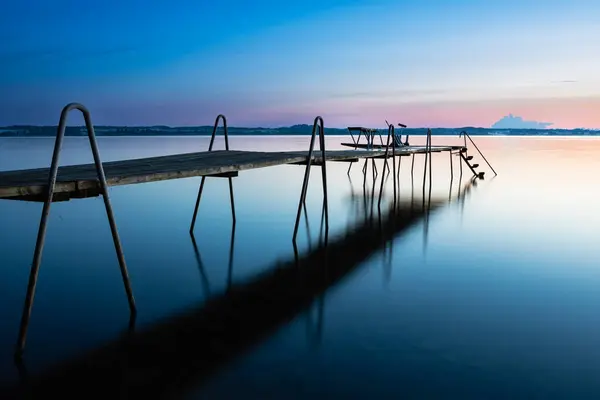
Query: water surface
{"x": 499, "y": 299}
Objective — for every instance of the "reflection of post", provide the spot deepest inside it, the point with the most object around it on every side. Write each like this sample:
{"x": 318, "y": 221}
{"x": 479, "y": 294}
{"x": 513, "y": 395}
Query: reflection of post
{"x": 412, "y": 187}
{"x": 23, "y": 377}
{"x": 461, "y": 168}
{"x": 452, "y": 175}
{"x": 451, "y": 166}
{"x": 352, "y": 196}
{"x": 205, "y": 282}
{"x": 230, "y": 267}
{"x": 314, "y": 332}
{"x": 322, "y": 229}
{"x": 372, "y": 203}
{"x": 307, "y": 226}
{"x": 296, "y": 254}
{"x": 387, "y": 247}
{"x": 426, "y": 209}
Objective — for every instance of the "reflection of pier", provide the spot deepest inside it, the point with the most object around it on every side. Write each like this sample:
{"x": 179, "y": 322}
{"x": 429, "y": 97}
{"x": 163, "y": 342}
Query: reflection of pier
{"x": 181, "y": 352}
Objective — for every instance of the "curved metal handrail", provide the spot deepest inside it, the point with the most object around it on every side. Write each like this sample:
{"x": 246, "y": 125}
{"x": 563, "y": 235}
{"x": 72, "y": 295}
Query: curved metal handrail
{"x": 317, "y": 125}
{"x": 214, "y": 132}
{"x": 203, "y": 180}
{"x": 466, "y": 135}
{"x": 41, "y": 236}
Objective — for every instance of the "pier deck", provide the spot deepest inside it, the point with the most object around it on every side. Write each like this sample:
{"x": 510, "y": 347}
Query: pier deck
{"x": 79, "y": 181}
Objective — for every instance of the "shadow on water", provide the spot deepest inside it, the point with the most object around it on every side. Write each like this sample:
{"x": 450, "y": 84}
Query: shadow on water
{"x": 183, "y": 351}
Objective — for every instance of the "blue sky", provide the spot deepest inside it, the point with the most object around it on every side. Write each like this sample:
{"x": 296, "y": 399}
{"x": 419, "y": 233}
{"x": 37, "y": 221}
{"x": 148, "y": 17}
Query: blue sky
{"x": 428, "y": 63}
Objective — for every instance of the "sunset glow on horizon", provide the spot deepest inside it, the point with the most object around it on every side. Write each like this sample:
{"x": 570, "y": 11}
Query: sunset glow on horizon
{"x": 430, "y": 63}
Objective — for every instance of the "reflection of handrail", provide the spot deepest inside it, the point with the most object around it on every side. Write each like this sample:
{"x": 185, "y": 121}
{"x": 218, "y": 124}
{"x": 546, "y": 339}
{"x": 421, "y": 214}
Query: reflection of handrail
{"x": 466, "y": 135}
{"x": 41, "y": 237}
{"x": 205, "y": 282}
{"x": 210, "y": 147}
{"x": 314, "y": 330}
{"x": 318, "y": 124}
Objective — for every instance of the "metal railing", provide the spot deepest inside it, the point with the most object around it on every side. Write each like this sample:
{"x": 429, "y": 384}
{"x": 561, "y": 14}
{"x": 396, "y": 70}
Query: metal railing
{"x": 467, "y": 136}
{"x": 317, "y": 126}
{"x": 427, "y": 158}
{"x": 41, "y": 236}
{"x": 201, "y": 188}
{"x": 387, "y": 149}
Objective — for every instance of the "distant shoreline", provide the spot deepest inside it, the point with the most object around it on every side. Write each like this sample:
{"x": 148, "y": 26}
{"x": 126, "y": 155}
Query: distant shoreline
{"x": 516, "y": 135}
{"x": 295, "y": 130}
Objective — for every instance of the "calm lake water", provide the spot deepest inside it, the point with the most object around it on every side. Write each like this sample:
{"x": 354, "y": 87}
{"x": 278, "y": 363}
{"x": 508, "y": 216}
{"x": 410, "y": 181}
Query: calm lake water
{"x": 500, "y": 299}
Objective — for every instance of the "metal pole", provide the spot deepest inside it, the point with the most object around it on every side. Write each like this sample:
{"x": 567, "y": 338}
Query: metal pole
{"x": 318, "y": 124}
{"x": 425, "y": 165}
{"x": 200, "y": 189}
{"x": 324, "y": 177}
{"x": 451, "y": 167}
{"x": 387, "y": 148}
{"x": 41, "y": 237}
{"x": 230, "y": 266}
{"x": 193, "y": 224}
{"x": 430, "y": 166}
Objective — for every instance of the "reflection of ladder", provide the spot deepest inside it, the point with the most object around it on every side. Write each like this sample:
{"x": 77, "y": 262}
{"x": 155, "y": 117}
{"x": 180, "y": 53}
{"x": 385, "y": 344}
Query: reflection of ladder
{"x": 463, "y": 153}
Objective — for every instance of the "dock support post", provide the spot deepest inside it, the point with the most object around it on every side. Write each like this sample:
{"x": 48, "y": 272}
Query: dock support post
{"x": 317, "y": 125}
{"x": 41, "y": 237}
{"x": 201, "y": 188}
{"x": 387, "y": 148}
{"x": 427, "y": 159}
{"x": 451, "y": 166}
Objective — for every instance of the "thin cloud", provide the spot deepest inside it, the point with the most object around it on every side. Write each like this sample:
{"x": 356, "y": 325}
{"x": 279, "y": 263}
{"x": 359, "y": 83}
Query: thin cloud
{"x": 565, "y": 81}
{"x": 387, "y": 93}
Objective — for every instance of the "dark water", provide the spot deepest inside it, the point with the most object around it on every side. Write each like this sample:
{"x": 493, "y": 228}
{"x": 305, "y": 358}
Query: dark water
{"x": 499, "y": 300}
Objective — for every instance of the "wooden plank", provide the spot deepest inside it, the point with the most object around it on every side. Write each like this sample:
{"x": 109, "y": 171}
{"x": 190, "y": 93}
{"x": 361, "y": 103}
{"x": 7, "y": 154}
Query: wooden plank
{"x": 77, "y": 179}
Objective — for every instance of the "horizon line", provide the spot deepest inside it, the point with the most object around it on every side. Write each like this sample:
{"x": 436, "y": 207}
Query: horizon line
{"x": 284, "y": 127}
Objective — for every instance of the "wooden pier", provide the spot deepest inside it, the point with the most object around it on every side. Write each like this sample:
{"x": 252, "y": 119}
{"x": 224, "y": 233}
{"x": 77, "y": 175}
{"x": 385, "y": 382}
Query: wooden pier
{"x": 79, "y": 181}
{"x": 56, "y": 183}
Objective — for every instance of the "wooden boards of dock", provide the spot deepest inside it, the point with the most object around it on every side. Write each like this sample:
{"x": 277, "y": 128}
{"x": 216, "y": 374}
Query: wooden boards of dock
{"x": 78, "y": 181}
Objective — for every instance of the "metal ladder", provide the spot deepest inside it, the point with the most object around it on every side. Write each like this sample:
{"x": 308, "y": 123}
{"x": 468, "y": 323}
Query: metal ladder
{"x": 463, "y": 153}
